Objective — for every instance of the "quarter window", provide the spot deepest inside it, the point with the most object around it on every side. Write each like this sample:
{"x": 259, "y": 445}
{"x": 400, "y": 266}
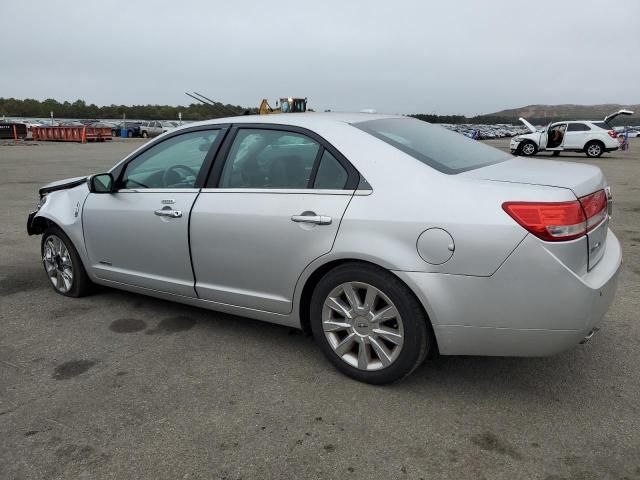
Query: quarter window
{"x": 269, "y": 159}
{"x": 331, "y": 174}
{"x": 173, "y": 163}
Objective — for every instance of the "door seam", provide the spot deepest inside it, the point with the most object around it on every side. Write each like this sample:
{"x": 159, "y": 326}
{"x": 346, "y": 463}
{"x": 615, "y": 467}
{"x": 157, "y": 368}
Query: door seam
{"x": 193, "y": 271}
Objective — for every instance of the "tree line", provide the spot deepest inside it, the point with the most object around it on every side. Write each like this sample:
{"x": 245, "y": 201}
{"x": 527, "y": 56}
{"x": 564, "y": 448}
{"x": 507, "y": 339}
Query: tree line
{"x": 31, "y": 108}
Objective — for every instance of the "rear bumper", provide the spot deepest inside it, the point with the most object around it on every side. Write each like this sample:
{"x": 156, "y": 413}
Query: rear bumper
{"x": 532, "y": 306}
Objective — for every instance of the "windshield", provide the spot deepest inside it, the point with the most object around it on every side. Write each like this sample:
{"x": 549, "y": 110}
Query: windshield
{"x": 446, "y": 151}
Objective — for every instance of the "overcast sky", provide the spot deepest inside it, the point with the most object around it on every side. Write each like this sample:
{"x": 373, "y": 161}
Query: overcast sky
{"x": 447, "y": 56}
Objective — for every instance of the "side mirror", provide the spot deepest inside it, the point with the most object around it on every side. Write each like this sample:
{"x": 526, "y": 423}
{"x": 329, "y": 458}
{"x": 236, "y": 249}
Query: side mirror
{"x": 101, "y": 183}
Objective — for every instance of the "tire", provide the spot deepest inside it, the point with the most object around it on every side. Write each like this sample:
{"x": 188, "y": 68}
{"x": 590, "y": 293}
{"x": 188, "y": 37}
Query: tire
{"x": 594, "y": 149}
{"x": 129, "y": 134}
{"x": 58, "y": 256}
{"x": 528, "y": 148}
{"x": 144, "y": 134}
{"x": 353, "y": 345}
{"x": 556, "y": 153}
{"x": 114, "y": 133}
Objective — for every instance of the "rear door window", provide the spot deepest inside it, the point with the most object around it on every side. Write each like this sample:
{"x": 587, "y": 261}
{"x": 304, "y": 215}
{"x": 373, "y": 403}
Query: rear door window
{"x": 269, "y": 159}
{"x": 577, "y": 127}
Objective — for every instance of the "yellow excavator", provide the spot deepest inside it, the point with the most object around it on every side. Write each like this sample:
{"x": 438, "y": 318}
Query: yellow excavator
{"x": 287, "y": 105}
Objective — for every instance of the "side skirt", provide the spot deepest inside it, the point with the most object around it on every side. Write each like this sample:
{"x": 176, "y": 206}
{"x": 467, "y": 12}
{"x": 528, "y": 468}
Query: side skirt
{"x": 290, "y": 320}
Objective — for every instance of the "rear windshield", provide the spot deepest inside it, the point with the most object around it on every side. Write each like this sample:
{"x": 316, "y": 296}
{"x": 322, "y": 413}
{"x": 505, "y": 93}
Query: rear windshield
{"x": 446, "y": 151}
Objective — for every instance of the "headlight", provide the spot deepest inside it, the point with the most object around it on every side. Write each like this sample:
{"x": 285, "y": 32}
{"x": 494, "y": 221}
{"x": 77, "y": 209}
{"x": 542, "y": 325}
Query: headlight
{"x": 41, "y": 201}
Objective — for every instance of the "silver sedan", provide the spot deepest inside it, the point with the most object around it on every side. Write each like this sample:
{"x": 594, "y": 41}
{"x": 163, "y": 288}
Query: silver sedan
{"x": 388, "y": 238}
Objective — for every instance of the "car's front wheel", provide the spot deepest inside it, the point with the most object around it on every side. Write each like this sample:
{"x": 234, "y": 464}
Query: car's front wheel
{"x": 528, "y": 148}
{"x": 369, "y": 324}
{"x": 594, "y": 149}
{"x": 63, "y": 265}
{"x": 144, "y": 134}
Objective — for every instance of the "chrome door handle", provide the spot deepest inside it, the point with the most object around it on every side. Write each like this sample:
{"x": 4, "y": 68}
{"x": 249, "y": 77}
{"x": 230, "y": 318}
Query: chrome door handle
{"x": 316, "y": 219}
{"x": 168, "y": 213}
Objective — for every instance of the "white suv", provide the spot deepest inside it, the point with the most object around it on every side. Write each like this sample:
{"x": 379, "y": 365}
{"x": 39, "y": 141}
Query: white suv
{"x": 591, "y": 137}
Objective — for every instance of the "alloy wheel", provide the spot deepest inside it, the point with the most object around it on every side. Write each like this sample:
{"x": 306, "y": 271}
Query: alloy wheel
{"x": 58, "y": 264}
{"x": 363, "y": 326}
{"x": 528, "y": 149}
{"x": 594, "y": 150}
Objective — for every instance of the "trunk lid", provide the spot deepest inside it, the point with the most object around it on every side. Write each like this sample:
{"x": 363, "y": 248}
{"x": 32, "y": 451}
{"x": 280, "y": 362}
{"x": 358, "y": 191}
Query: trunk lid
{"x": 610, "y": 117}
{"x": 581, "y": 179}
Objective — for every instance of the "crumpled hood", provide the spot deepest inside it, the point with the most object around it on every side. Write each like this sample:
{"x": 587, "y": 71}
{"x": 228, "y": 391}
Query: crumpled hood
{"x": 62, "y": 184}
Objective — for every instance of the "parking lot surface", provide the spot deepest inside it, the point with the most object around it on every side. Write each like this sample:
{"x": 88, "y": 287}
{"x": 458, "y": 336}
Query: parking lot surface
{"x": 118, "y": 385}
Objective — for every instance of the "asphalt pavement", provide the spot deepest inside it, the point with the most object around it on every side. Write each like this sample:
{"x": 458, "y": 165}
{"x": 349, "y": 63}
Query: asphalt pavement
{"x": 118, "y": 385}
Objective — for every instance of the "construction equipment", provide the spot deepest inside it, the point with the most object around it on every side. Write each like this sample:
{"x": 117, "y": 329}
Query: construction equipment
{"x": 287, "y": 105}
{"x": 217, "y": 108}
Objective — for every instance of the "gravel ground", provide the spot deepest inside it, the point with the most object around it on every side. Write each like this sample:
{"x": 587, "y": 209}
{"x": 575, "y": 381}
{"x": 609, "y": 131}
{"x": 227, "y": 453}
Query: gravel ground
{"x": 118, "y": 385}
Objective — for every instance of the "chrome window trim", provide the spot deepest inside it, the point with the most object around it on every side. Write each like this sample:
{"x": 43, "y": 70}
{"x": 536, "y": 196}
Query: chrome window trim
{"x": 289, "y": 191}
{"x": 158, "y": 190}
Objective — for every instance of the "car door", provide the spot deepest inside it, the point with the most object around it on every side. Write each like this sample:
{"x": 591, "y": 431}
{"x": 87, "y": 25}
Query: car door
{"x": 273, "y": 204}
{"x": 554, "y": 136}
{"x": 576, "y": 136}
{"x": 138, "y": 235}
{"x": 544, "y": 137}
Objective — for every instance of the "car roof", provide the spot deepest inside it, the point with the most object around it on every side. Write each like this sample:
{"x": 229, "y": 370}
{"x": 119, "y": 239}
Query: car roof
{"x": 579, "y": 121}
{"x": 306, "y": 120}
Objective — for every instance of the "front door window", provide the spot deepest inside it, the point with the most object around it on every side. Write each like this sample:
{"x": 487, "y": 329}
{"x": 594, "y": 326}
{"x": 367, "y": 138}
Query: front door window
{"x": 173, "y": 163}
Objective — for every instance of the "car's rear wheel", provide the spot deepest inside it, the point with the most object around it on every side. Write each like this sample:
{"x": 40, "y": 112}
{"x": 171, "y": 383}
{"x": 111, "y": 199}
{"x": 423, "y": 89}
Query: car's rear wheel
{"x": 369, "y": 324}
{"x": 594, "y": 149}
{"x": 528, "y": 148}
{"x": 63, "y": 265}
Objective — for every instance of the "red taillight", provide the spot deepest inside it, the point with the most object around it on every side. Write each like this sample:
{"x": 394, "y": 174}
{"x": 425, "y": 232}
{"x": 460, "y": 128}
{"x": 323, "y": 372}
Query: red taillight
{"x": 612, "y": 134}
{"x": 559, "y": 221}
{"x": 595, "y": 208}
{"x": 552, "y": 222}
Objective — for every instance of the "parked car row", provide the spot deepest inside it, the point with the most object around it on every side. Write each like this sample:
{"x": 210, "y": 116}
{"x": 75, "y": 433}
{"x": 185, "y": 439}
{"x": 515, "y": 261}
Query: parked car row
{"x": 486, "y": 132}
